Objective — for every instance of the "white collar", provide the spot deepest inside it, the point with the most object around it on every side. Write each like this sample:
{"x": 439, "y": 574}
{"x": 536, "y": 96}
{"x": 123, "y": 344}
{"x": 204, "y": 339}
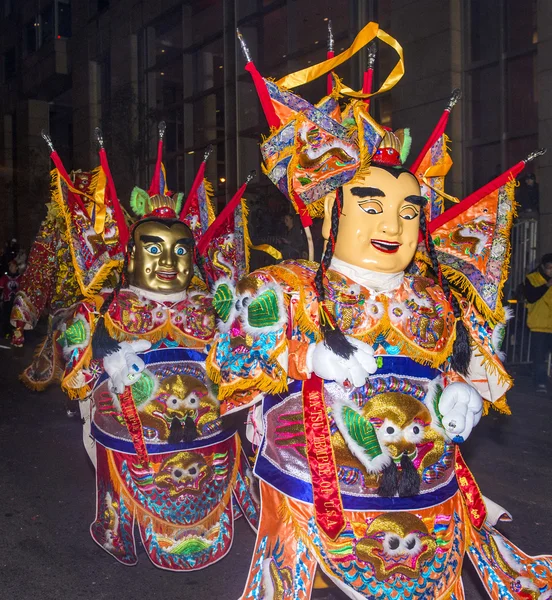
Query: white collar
{"x": 156, "y": 297}
{"x": 373, "y": 280}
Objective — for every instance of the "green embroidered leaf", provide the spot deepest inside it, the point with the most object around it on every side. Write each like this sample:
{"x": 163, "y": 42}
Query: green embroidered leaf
{"x": 190, "y": 546}
{"x": 263, "y": 311}
{"x": 139, "y": 201}
{"x": 142, "y": 390}
{"x": 362, "y": 431}
{"x": 178, "y": 197}
{"x": 436, "y": 398}
{"x": 223, "y": 301}
{"x": 406, "y": 145}
{"x": 76, "y": 333}
{"x": 304, "y": 180}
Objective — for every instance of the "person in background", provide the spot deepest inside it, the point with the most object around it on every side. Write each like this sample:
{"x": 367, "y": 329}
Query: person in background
{"x": 538, "y": 293}
{"x": 9, "y": 285}
{"x": 294, "y": 242}
{"x": 527, "y": 194}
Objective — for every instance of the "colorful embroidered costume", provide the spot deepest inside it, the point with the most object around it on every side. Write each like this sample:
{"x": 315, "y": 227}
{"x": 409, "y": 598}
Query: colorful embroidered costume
{"x": 361, "y": 474}
{"x": 49, "y": 286}
{"x": 164, "y": 461}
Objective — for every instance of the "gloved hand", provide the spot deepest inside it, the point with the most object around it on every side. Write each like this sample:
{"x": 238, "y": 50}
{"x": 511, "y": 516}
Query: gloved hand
{"x": 124, "y": 366}
{"x": 461, "y": 408}
{"x": 328, "y": 365}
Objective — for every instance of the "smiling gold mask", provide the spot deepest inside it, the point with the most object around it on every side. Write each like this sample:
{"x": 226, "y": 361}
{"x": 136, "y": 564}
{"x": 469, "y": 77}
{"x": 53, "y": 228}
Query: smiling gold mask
{"x": 161, "y": 260}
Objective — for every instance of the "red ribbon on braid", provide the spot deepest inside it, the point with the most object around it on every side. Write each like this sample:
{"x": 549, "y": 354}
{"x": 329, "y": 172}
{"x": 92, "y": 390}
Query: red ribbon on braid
{"x": 134, "y": 425}
{"x": 328, "y": 508}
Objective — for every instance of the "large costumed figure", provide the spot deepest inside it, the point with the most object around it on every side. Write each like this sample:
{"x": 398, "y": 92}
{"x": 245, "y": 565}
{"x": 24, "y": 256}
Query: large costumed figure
{"x": 165, "y": 462}
{"x": 364, "y": 374}
{"x": 49, "y": 285}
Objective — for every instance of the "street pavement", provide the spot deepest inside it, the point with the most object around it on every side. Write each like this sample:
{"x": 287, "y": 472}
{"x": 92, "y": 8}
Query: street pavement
{"x": 47, "y": 497}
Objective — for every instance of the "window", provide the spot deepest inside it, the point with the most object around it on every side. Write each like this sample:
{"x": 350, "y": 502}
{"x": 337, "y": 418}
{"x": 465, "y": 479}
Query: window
{"x": 10, "y": 65}
{"x": 500, "y": 73}
{"x": 47, "y": 25}
{"x": 31, "y": 36}
{"x": 63, "y": 19}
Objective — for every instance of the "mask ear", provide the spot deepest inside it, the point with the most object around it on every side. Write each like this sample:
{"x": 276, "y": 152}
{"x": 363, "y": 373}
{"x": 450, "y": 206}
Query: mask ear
{"x": 130, "y": 264}
{"x": 327, "y": 224}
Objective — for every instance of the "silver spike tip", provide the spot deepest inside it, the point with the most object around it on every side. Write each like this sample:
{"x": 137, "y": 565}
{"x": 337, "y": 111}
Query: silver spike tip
{"x": 454, "y": 97}
{"x": 372, "y": 51}
{"x": 161, "y": 129}
{"x": 535, "y": 154}
{"x": 99, "y": 137}
{"x": 46, "y": 137}
{"x": 207, "y": 152}
{"x": 251, "y": 176}
{"x": 245, "y": 49}
{"x": 331, "y": 43}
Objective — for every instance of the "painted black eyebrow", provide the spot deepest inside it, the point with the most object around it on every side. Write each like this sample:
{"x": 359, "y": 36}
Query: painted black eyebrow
{"x": 367, "y": 192}
{"x": 186, "y": 241}
{"x": 417, "y": 200}
{"x": 151, "y": 239}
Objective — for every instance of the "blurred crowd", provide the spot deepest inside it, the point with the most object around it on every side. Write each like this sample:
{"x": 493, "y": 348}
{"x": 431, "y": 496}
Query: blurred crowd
{"x": 13, "y": 262}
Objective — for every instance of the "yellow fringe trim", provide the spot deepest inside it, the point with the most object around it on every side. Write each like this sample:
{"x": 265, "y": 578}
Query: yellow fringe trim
{"x": 464, "y": 284}
{"x": 105, "y": 270}
{"x": 57, "y": 370}
{"x": 167, "y": 330}
{"x": 209, "y": 195}
{"x": 207, "y": 521}
{"x": 501, "y": 406}
{"x": 494, "y": 366}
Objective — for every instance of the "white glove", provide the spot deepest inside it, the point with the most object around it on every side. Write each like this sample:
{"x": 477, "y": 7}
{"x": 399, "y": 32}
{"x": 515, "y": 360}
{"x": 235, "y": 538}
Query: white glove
{"x": 355, "y": 369}
{"x": 124, "y": 366}
{"x": 461, "y": 407}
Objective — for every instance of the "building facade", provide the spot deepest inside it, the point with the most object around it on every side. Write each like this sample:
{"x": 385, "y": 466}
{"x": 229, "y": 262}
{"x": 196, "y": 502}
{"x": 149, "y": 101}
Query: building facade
{"x": 68, "y": 66}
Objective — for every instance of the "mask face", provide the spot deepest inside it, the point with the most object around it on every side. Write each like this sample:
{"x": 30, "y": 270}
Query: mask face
{"x": 380, "y": 222}
{"x": 162, "y": 258}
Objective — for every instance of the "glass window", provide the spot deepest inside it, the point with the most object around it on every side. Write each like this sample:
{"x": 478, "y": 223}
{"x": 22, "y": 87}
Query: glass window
{"x": 63, "y": 19}
{"x": 486, "y": 101}
{"x": 206, "y": 21}
{"x": 10, "y": 64}
{"x": 47, "y": 29}
{"x": 31, "y": 42}
{"x": 168, "y": 37}
{"x": 485, "y": 29}
{"x": 169, "y": 84}
{"x": 521, "y": 96}
{"x": 521, "y": 24}
{"x": 208, "y": 119}
{"x": 208, "y": 66}
{"x": 485, "y": 164}
{"x": 309, "y": 21}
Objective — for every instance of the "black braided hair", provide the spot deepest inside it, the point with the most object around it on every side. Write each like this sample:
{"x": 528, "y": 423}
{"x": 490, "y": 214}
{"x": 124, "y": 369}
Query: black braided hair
{"x": 102, "y": 343}
{"x": 461, "y": 350}
{"x": 334, "y": 338}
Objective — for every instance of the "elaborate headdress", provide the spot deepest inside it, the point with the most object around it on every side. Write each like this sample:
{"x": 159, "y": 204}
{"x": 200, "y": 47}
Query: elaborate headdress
{"x": 314, "y": 149}
{"x": 96, "y": 226}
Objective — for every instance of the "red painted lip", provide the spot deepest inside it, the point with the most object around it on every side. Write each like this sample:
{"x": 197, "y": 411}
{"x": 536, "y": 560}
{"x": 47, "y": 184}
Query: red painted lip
{"x": 385, "y": 246}
{"x": 166, "y": 275}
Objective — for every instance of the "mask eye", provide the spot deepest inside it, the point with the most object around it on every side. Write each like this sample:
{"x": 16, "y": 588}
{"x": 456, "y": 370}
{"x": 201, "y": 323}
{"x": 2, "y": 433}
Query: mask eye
{"x": 414, "y": 432}
{"x": 372, "y": 207}
{"x": 411, "y": 544}
{"x": 181, "y": 251}
{"x": 153, "y": 249}
{"x": 246, "y": 301}
{"x": 408, "y": 213}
